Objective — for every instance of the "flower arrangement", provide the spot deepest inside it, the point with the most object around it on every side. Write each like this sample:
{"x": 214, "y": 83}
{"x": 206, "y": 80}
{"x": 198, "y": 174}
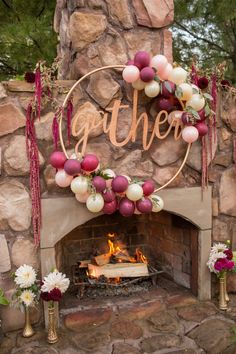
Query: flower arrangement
{"x": 54, "y": 285}
{"x": 27, "y": 291}
{"x": 220, "y": 259}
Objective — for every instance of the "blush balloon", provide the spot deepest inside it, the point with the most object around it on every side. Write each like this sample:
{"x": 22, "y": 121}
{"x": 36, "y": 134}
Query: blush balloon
{"x": 72, "y": 167}
{"x": 131, "y": 73}
{"x": 62, "y": 179}
{"x": 82, "y": 198}
{"x": 126, "y": 207}
{"x": 144, "y": 205}
{"x": 108, "y": 195}
{"x": 164, "y": 74}
{"x": 159, "y": 62}
{"x": 57, "y": 159}
{"x": 90, "y": 163}
{"x": 110, "y": 208}
{"x": 141, "y": 59}
{"x": 147, "y": 74}
{"x": 119, "y": 184}
{"x": 190, "y": 134}
{"x": 99, "y": 183}
{"x": 148, "y": 187}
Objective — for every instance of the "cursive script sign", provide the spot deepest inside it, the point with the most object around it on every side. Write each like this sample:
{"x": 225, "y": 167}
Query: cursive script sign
{"x": 109, "y": 124}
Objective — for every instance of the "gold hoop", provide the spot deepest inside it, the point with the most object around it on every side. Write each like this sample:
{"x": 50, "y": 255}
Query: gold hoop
{"x": 68, "y": 96}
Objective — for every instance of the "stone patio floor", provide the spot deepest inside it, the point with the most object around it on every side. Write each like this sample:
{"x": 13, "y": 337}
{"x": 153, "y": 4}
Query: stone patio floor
{"x": 163, "y": 320}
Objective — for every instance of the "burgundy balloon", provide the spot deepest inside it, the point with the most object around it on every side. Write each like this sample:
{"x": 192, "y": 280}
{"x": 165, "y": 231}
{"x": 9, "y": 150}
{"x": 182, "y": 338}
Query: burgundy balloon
{"x": 166, "y": 93}
{"x": 126, "y": 207}
{"x": 57, "y": 159}
{"x": 89, "y": 163}
{"x": 202, "y": 128}
{"x": 148, "y": 187}
{"x": 110, "y": 208}
{"x": 141, "y": 59}
{"x": 130, "y": 62}
{"x": 144, "y": 205}
{"x": 202, "y": 114}
{"x": 108, "y": 195}
{"x": 99, "y": 183}
{"x": 147, "y": 74}
{"x": 72, "y": 167}
{"x": 119, "y": 184}
{"x": 164, "y": 104}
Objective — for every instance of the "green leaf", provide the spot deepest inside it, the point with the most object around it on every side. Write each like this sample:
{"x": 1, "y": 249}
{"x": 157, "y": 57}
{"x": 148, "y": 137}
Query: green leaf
{"x": 207, "y": 110}
{"x": 195, "y": 90}
{"x": 168, "y": 86}
{"x": 179, "y": 92}
{"x": 4, "y": 301}
{"x": 207, "y": 96}
{"x": 156, "y": 78}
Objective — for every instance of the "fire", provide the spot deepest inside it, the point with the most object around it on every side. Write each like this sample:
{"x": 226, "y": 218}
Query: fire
{"x": 140, "y": 256}
{"x": 112, "y": 248}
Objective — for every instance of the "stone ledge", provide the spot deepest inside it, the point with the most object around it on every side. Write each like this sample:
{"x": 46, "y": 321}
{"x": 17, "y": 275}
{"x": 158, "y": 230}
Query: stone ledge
{"x": 23, "y": 86}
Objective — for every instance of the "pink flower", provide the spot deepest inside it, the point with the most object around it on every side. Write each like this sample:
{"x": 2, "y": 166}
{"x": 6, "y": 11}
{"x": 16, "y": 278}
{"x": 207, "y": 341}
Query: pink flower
{"x": 229, "y": 265}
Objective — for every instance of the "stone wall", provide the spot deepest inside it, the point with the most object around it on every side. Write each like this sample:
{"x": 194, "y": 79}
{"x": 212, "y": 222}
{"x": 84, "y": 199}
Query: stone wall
{"x": 122, "y": 27}
{"x": 94, "y": 33}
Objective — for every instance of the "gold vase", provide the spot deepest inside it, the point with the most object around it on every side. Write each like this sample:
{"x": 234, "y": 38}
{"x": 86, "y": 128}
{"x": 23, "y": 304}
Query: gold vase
{"x": 28, "y": 330}
{"x": 52, "y": 333}
{"x": 222, "y": 300}
{"x": 225, "y": 288}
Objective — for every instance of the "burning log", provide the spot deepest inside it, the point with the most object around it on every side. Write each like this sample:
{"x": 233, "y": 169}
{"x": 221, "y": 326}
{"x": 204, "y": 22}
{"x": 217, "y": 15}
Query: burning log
{"x": 121, "y": 270}
{"x": 102, "y": 259}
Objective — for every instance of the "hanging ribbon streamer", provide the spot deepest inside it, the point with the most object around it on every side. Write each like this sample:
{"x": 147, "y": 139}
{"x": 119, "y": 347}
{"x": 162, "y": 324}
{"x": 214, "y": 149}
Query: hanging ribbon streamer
{"x": 55, "y": 128}
{"x": 33, "y": 156}
{"x": 38, "y": 90}
{"x": 214, "y": 101}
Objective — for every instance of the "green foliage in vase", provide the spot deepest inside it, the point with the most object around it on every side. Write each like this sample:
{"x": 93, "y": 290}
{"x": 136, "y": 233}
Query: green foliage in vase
{"x": 3, "y": 299}
{"x": 26, "y": 35}
{"x": 206, "y": 30}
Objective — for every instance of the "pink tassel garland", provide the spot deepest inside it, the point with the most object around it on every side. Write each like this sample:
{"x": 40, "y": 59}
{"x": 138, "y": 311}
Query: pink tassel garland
{"x": 38, "y": 90}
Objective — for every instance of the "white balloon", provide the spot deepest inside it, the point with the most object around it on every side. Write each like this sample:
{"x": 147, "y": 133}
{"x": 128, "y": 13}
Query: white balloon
{"x": 95, "y": 203}
{"x": 134, "y": 192}
{"x": 187, "y": 91}
{"x": 79, "y": 185}
{"x": 152, "y": 89}
{"x": 157, "y": 203}
{"x": 174, "y": 117}
{"x": 197, "y": 102}
{"x": 62, "y": 179}
{"x": 110, "y": 173}
{"x": 82, "y": 198}
{"x": 178, "y": 75}
{"x": 139, "y": 84}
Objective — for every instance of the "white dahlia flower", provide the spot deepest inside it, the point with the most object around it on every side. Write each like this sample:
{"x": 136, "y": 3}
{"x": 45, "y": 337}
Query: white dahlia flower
{"x": 25, "y": 276}
{"x": 27, "y": 297}
{"x": 55, "y": 280}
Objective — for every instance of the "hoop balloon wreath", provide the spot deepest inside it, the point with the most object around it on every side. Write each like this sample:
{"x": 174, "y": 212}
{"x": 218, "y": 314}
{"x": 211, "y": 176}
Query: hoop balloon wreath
{"x": 180, "y": 105}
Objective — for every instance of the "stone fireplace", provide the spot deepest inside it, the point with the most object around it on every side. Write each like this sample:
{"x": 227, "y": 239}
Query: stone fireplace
{"x": 178, "y": 238}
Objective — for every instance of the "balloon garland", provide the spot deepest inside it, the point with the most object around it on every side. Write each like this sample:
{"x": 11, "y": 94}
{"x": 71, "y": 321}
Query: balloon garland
{"x": 101, "y": 189}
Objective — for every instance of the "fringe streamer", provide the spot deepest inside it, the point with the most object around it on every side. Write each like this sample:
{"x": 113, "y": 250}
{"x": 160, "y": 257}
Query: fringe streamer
{"x": 38, "y": 90}
{"x": 33, "y": 156}
{"x": 214, "y": 102}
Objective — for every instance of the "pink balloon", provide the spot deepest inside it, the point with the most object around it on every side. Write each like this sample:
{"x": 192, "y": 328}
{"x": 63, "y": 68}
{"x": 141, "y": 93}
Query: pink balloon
{"x": 130, "y": 73}
{"x": 82, "y": 198}
{"x": 148, "y": 187}
{"x": 57, "y": 159}
{"x": 72, "y": 167}
{"x": 110, "y": 208}
{"x": 164, "y": 74}
{"x": 99, "y": 183}
{"x": 144, "y": 205}
{"x": 159, "y": 62}
{"x": 62, "y": 179}
{"x": 190, "y": 134}
{"x": 119, "y": 184}
{"x": 126, "y": 207}
{"x": 89, "y": 163}
{"x": 108, "y": 195}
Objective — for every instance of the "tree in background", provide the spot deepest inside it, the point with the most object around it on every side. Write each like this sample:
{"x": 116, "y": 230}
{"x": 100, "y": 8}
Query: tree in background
{"x": 26, "y": 35}
{"x": 206, "y": 30}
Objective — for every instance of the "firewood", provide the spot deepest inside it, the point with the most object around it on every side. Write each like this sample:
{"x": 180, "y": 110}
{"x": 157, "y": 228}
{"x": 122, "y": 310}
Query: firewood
{"x": 124, "y": 270}
{"x": 84, "y": 263}
{"x": 102, "y": 259}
